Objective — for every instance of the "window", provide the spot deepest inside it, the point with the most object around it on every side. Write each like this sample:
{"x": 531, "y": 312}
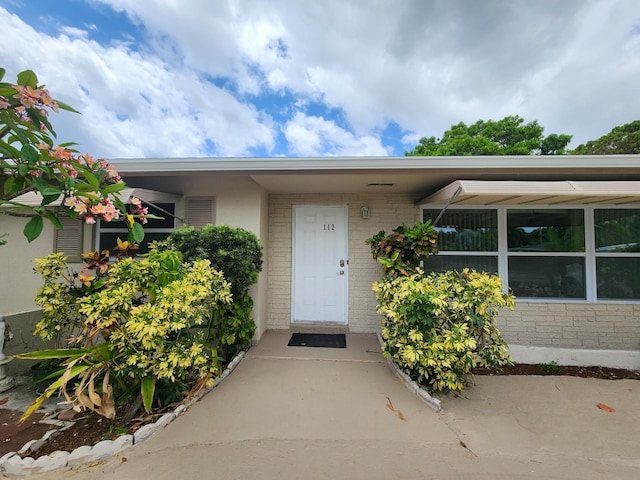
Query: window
{"x": 546, "y": 252}
{"x": 155, "y": 229}
{"x": 467, "y": 238}
{"x": 586, "y": 253}
{"x": 617, "y": 252}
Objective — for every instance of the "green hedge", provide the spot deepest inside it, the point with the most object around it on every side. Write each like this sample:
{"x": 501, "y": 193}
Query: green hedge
{"x": 238, "y": 255}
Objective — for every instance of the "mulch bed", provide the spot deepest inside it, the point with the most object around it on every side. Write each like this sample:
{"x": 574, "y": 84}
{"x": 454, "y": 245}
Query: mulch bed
{"x": 14, "y": 434}
{"x": 558, "y": 370}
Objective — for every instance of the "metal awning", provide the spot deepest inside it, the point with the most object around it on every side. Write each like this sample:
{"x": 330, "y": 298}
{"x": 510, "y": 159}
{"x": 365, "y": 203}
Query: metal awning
{"x": 476, "y": 192}
{"x": 125, "y": 195}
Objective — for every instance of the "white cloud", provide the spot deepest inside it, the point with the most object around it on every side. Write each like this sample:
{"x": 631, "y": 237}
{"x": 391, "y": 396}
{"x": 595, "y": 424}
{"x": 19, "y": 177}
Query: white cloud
{"x": 315, "y": 136}
{"x": 423, "y": 64}
{"x": 133, "y": 105}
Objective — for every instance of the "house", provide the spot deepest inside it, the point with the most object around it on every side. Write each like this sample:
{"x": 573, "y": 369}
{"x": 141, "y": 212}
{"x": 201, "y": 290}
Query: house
{"x": 562, "y": 231}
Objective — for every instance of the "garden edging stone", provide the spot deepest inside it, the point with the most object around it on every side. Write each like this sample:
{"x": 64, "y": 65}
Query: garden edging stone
{"x": 420, "y": 392}
{"x": 13, "y": 464}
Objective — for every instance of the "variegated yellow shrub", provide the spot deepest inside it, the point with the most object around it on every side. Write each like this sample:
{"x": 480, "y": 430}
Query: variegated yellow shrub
{"x": 136, "y": 326}
{"x": 438, "y": 327}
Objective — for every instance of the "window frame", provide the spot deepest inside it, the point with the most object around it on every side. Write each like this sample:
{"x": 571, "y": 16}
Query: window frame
{"x": 469, "y": 253}
{"x": 590, "y": 255}
{"x": 125, "y": 231}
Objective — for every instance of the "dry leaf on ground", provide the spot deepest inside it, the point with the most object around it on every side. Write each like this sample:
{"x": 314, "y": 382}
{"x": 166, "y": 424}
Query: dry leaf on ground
{"x": 606, "y": 408}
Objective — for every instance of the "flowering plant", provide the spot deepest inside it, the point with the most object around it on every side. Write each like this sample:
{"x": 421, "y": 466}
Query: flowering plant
{"x": 133, "y": 325}
{"x": 30, "y": 161}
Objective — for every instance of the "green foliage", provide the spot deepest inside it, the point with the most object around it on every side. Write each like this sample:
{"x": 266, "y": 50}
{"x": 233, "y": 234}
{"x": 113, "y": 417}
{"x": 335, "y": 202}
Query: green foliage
{"x": 233, "y": 251}
{"x": 31, "y": 162}
{"x": 439, "y": 326}
{"x": 509, "y": 136}
{"x": 623, "y": 139}
{"x": 401, "y": 252}
{"x": 135, "y": 323}
{"x": 238, "y": 255}
{"x": 552, "y": 367}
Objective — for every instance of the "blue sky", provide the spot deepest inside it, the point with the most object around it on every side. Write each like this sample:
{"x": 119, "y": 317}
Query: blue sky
{"x": 339, "y": 77}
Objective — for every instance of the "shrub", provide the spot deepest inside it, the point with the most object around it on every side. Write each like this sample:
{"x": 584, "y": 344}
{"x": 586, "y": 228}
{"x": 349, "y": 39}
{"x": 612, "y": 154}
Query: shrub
{"x": 439, "y": 326}
{"x": 402, "y": 252}
{"x": 137, "y": 324}
{"x": 237, "y": 254}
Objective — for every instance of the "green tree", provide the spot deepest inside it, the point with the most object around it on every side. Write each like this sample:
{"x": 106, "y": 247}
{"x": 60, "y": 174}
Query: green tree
{"x": 509, "y": 136}
{"x": 622, "y": 139}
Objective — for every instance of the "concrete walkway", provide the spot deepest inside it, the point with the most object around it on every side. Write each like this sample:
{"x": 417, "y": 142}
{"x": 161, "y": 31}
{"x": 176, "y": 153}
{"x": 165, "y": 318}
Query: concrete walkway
{"x": 313, "y": 413}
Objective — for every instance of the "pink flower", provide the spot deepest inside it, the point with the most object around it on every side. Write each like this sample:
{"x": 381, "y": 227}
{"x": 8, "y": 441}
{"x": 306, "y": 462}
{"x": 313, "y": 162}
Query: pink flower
{"x": 4, "y": 103}
{"x": 88, "y": 159}
{"x": 70, "y": 169}
{"x": 99, "y": 209}
{"x": 47, "y": 101}
{"x": 111, "y": 172}
{"x": 35, "y": 173}
{"x": 76, "y": 205}
{"x": 62, "y": 153}
{"x": 106, "y": 210}
{"x": 89, "y": 220}
{"x": 27, "y": 96}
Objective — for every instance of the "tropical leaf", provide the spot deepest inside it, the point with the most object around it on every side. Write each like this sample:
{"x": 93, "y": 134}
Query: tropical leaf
{"x": 147, "y": 388}
{"x": 33, "y": 228}
{"x": 28, "y": 78}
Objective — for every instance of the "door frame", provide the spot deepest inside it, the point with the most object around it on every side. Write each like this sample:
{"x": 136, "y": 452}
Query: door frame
{"x": 345, "y": 209}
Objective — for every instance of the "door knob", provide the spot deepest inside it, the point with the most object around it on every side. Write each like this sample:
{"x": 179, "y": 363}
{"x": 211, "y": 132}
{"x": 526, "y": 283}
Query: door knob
{"x": 342, "y": 263}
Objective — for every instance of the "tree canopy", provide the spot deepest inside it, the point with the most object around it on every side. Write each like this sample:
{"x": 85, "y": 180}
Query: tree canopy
{"x": 622, "y": 139}
{"x": 509, "y": 136}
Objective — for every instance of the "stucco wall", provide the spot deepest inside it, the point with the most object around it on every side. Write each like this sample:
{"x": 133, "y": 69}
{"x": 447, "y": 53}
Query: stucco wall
{"x": 18, "y": 283}
{"x": 613, "y": 326}
{"x": 387, "y": 212}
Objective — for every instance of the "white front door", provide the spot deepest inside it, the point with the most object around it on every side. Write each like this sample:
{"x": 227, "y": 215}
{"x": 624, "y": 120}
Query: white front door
{"x": 320, "y": 267}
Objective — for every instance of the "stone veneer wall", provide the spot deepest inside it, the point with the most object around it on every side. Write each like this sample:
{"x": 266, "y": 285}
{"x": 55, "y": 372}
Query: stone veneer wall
{"x": 387, "y": 212}
{"x": 614, "y": 326}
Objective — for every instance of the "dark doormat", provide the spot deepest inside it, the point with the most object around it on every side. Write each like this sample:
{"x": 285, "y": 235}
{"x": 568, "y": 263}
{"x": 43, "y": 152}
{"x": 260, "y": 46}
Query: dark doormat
{"x": 327, "y": 340}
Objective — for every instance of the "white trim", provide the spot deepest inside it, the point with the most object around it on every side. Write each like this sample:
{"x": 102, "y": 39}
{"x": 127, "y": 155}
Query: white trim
{"x": 629, "y": 359}
{"x": 302, "y": 164}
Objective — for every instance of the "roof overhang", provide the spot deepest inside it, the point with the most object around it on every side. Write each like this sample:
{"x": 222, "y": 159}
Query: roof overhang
{"x": 34, "y": 199}
{"x": 470, "y": 192}
{"x": 415, "y": 176}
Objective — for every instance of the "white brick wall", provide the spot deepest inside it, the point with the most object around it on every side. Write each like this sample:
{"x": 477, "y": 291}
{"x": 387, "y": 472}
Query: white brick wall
{"x": 574, "y": 325}
{"x": 387, "y": 212}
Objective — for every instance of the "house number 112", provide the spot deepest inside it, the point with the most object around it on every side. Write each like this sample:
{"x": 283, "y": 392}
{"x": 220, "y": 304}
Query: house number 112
{"x": 329, "y": 226}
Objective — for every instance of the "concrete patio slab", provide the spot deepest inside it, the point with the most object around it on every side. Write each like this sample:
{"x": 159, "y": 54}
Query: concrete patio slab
{"x": 314, "y": 413}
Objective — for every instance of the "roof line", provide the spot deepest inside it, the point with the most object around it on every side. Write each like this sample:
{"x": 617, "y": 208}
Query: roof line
{"x": 328, "y": 164}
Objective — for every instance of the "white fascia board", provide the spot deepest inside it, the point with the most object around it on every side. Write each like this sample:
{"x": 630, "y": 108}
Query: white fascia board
{"x": 327, "y": 164}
